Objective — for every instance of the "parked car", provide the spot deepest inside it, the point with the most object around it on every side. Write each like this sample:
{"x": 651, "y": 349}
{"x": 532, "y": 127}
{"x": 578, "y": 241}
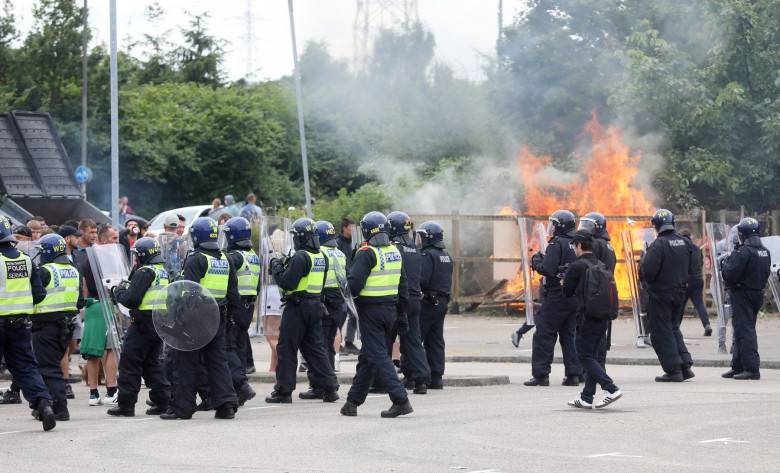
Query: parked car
{"x": 193, "y": 212}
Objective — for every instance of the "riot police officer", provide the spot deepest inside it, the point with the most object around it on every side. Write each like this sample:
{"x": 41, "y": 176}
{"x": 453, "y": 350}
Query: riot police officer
{"x": 142, "y": 346}
{"x": 378, "y": 279}
{"x": 558, "y": 314}
{"x": 745, "y": 272}
{"x": 414, "y": 364}
{"x": 238, "y": 233}
{"x": 20, "y": 290}
{"x": 436, "y": 268}
{"x": 210, "y": 267}
{"x": 333, "y": 300}
{"x": 301, "y": 279}
{"x": 665, "y": 269}
{"x": 55, "y": 318}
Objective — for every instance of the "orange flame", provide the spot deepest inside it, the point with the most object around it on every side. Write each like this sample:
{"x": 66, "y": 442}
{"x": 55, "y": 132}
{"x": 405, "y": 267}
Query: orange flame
{"x": 606, "y": 184}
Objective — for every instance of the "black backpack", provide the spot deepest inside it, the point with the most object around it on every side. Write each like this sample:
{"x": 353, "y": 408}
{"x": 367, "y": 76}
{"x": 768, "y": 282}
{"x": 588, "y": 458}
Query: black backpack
{"x": 600, "y": 292}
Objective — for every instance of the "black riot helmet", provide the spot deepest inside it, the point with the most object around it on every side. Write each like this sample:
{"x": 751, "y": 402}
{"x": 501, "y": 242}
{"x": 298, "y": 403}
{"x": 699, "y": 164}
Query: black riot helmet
{"x": 400, "y": 226}
{"x": 746, "y": 228}
{"x": 595, "y": 222}
{"x": 147, "y": 251}
{"x": 430, "y": 234}
{"x": 662, "y": 220}
{"x": 374, "y": 228}
{"x": 304, "y": 232}
{"x": 561, "y": 223}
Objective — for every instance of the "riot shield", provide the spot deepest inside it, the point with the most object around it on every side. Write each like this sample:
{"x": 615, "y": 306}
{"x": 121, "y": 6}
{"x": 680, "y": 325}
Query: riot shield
{"x": 341, "y": 278}
{"x": 718, "y": 246}
{"x": 30, "y": 248}
{"x": 772, "y": 243}
{"x": 357, "y": 238}
{"x": 275, "y": 241}
{"x": 635, "y": 242}
{"x": 109, "y": 267}
{"x": 222, "y": 238}
{"x": 173, "y": 250}
{"x": 185, "y": 315}
{"x": 532, "y": 239}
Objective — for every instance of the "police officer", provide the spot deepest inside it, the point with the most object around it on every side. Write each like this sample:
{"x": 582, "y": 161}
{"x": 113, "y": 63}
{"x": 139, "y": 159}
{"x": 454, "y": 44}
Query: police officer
{"x": 333, "y": 300}
{"x": 301, "y": 280}
{"x": 414, "y": 364}
{"x": 55, "y": 318}
{"x": 238, "y": 233}
{"x": 20, "y": 290}
{"x": 558, "y": 314}
{"x": 378, "y": 279}
{"x": 435, "y": 284}
{"x": 745, "y": 272}
{"x": 665, "y": 269}
{"x": 210, "y": 267}
{"x": 591, "y": 332}
{"x": 142, "y": 346}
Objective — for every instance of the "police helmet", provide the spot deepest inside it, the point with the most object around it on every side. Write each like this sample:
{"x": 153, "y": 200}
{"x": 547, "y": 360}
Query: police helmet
{"x": 593, "y": 221}
{"x": 374, "y": 225}
{"x": 147, "y": 251}
{"x": 662, "y": 220}
{"x": 398, "y": 224}
{"x": 52, "y": 246}
{"x": 326, "y": 231}
{"x": 204, "y": 231}
{"x": 304, "y": 231}
{"x": 561, "y": 222}
{"x": 238, "y": 229}
{"x": 747, "y": 227}
{"x": 430, "y": 234}
{"x": 6, "y": 230}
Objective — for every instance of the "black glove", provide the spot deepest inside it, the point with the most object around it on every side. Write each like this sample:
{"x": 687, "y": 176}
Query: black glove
{"x": 537, "y": 258}
{"x": 402, "y": 323}
{"x": 276, "y": 265}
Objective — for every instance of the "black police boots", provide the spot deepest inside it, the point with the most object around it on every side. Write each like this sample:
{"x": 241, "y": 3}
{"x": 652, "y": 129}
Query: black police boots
{"x": 278, "y": 398}
{"x": 332, "y": 396}
{"x": 245, "y": 393}
{"x": 538, "y": 381}
{"x": 156, "y": 410}
{"x": 122, "y": 411}
{"x": 729, "y": 374}
{"x": 687, "y": 372}
{"x": 408, "y": 383}
{"x": 421, "y": 388}
{"x": 205, "y": 405}
{"x": 398, "y": 410}
{"x": 312, "y": 393}
{"x": 571, "y": 381}
{"x": 172, "y": 415}
{"x": 45, "y": 414}
{"x": 754, "y": 375}
{"x": 675, "y": 377}
{"x": 436, "y": 383}
{"x": 349, "y": 409}
{"x": 225, "y": 411}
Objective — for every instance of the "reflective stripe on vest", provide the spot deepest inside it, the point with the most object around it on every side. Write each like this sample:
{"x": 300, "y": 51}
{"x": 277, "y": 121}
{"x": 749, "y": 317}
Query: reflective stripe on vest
{"x": 249, "y": 273}
{"x": 15, "y": 290}
{"x": 62, "y": 292}
{"x": 333, "y": 254}
{"x": 216, "y": 277}
{"x": 160, "y": 281}
{"x": 312, "y": 282}
{"x": 386, "y": 273}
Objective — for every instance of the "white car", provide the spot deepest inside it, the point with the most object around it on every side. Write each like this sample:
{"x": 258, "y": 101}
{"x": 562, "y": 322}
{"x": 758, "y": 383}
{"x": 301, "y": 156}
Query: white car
{"x": 190, "y": 214}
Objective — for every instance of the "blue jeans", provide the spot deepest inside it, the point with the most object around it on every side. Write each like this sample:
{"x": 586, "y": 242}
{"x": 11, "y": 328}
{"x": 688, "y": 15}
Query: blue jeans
{"x": 590, "y": 335}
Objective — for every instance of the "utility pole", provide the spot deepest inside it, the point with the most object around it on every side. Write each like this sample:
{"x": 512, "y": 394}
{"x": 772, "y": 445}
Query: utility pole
{"x": 84, "y": 98}
{"x": 299, "y": 99}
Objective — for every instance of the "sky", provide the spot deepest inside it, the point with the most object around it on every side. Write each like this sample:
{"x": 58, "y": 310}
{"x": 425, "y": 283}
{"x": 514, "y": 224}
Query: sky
{"x": 464, "y": 29}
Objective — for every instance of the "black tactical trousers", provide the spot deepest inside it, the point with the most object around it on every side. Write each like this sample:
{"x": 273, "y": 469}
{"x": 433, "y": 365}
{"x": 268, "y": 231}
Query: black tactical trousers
{"x": 141, "y": 358}
{"x": 745, "y": 305}
{"x": 50, "y": 342}
{"x": 557, "y": 320}
{"x": 664, "y": 313}
{"x": 414, "y": 364}
{"x": 432, "y": 333}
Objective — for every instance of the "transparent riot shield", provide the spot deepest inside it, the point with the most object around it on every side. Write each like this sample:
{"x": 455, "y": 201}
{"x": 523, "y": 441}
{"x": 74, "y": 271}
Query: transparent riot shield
{"x": 772, "y": 243}
{"x": 357, "y": 238}
{"x": 635, "y": 242}
{"x": 109, "y": 267}
{"x": 222, "y": 238}
{"x": 275, "y": 241}
{"x": 719, "y": 245}
{"x": 185, "y": 315}
{"x": 30, "y": 248}
{"x": 532, "y": 239}
{"x": 341, "y": 278}
{"x": 173, "y": 250}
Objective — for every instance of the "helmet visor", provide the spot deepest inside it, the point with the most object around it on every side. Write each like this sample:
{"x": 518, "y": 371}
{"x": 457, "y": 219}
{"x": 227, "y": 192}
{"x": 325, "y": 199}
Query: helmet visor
{"x": 134, "y": 259}
{"x": 550, "y": 229}
{"x": 587, "y": 224}
{"x": 419, "y": 239}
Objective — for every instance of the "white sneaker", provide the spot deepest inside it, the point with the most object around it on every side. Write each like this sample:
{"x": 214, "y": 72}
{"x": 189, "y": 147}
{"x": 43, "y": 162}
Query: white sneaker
{"x": 336, "y": 363}
{"x": 608, "y": 399}
{"x": 111, "y": 400}
{"x": 95, "y": 400}
{"x": 580, "y": 403}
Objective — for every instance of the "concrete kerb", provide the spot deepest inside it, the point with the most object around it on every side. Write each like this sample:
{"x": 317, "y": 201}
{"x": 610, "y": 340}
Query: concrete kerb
{"x": 707, "y": 362}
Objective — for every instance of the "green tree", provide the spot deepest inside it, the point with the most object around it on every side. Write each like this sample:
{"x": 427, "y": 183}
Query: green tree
{"x": 201, "y": 56}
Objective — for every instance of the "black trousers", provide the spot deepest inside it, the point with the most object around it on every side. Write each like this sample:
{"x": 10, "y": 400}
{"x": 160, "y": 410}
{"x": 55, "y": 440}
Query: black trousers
{"x": 50, "y": 342}
{"x": 187, "y": 373}
{"x": 301, "y": 329}
{"x": 432, "y": 333}
{"x": 693, "y": 292}
{"x": 745, "y": 305}
{"x": 237, "y": 339}
{"x": 376, "y": 322}
{"x": 414, "y": 364}
{"x": 330, "y": 327}
{"x": 591, "y": 336}
{"x": 664, "y": 313}
{"x": 141, "y": 358}
{"x": 16, "y": 348}
{"x": 557, "y": 320}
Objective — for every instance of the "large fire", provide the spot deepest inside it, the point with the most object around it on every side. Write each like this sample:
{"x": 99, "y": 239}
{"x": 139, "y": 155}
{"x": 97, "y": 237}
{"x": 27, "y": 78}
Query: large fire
{"x": 606, "y": 184}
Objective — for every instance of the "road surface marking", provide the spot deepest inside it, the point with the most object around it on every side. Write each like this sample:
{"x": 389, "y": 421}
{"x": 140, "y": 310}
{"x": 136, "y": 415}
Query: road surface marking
{"x": 724, "y": 440}
{"x": 614, "y": 454}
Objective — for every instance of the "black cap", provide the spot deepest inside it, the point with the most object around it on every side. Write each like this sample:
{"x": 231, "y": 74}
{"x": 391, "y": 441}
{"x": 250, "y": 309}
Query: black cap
{"x": 67, "y": 230}
{"x": 582, "y": 235}
{"x": 23, "y": 230}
